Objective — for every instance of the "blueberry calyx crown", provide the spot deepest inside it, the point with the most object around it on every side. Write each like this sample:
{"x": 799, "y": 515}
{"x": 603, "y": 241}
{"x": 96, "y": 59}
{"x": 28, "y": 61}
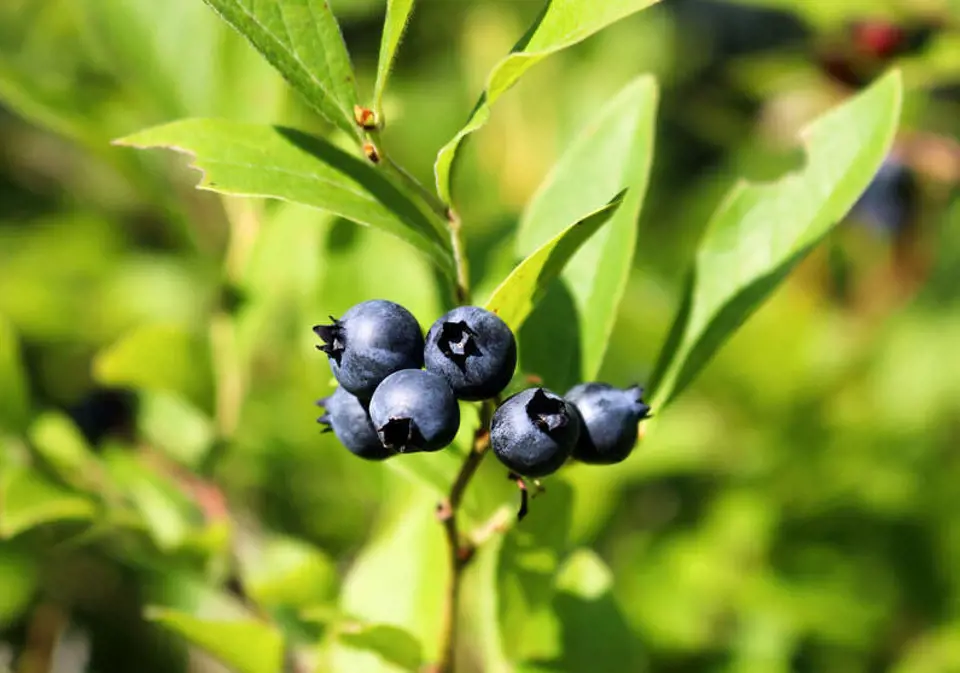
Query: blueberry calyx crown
{"x": 324, "y": 418}
{"x": 643, "y": 409}
{"x": 398, "y": 433}
{"x": 333, "y": 337}
{"x": 458, "y": 342}
{"x": 547, "y": 413}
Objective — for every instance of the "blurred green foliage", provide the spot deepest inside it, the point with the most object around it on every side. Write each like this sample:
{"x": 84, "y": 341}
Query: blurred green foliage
{"x": 792, "y": 510}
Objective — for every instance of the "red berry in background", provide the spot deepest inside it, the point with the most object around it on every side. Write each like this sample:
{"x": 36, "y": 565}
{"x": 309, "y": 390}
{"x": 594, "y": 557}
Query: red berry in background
{"x": 879, "y": 39}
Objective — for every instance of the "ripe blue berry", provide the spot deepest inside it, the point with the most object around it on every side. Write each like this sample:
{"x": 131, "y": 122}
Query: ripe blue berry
{"x": 348, "y": 418}
{"x": 415, "y": 410}
{"x": 371, "y": 341}
{"x": 474, "y": 350}
{"x": 609, "y": 419}
{"x": 890, "y": 201}
{"x": 534, "y": 432}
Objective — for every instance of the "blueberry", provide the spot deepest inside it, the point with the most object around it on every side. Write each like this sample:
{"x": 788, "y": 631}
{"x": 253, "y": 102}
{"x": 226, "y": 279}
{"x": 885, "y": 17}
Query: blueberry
{"x": 347, "y": 416}
{"x": 474, "y": 350}
{"x": 890, "y": 201}
{"x": 609, "y": 420}
{"x": 534, "y": 432}
{"x": 415, "y": 410}
{"x": 371, "y": 341}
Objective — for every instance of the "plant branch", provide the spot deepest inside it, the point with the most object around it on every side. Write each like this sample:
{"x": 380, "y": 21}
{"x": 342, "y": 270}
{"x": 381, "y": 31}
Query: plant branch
{"x": 460, "y": 549}
{"x": 459, "y": 257}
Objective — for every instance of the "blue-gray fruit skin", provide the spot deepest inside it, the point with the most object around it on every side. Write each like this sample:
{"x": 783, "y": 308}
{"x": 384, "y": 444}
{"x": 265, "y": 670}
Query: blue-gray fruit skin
{"x": 609, "y": 419}
{"x": 347, "y": 416}
{"x": 474, "y": 350}
{"x": 369, "y": 342}
{"x": 534, "y": 432}
{"x": 415, "y": 410}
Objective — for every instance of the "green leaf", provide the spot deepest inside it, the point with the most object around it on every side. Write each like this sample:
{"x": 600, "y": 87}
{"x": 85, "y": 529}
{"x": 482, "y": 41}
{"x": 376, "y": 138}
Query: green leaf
{"x": 398, "y": 14}
{"x": 302, "y": 40}
{"x": 28, "y": 500}
{"x": 561, "y": 24}
{"x": 165, "y": 510}
{"x": 399, "y": 578}
{"x": 613, "y": 152}
{"x": 761, "y": 231}
{"x": 281, "y": 163}
{"x": 19, "y": 581}
{"x": 389, "y": 642}
{"x": 173, "y": 425}
{"x": 585, "y": 605}
{"x": 480, "y": 601}
{"x": 526, "y": 578}
{"x": 283, "y": 571}
{"x": 63, "y": 446}
{"x": 158, "y": 357}
{"x": 14, "y": 394}
{"x": 515, "y": 297}
{"x": 244, "y": 646}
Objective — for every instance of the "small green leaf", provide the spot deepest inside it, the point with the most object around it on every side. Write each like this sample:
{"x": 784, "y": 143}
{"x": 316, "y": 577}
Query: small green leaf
{"x": 244, "y": 646}
{"x": 60, "y": 442}
{"x": 517, "y": 295}
{"x": 398, "y": 14}
{"x": 281, "y": 163}
{"x": 302, "y": 40}
{"x": 173, "y": 425}
{"x": 14, "y": 394}
{"x": 561, "y": 24}
{"x": 165, "y": 510}
{"x": 761, "y": 231}
{"x": 613, "y": 152}
{"x": 389, "y": 642}
{"x": 28, "y": 500}
{"x": 159, "y": 357}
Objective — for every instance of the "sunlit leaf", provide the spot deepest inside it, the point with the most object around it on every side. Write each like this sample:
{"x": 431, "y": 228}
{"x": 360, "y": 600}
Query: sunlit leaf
{"x": 562, "y": 23}
{"x": 283, "y": 571}
{"x": 28, "y": 500}
{"x": 518, "y": 294}
{"x": 244, "y": 646}
{"x": 398, "y": 14}
{"x": 302, "y": 40}
{"x": 281, "y": 163}
{"x": 63, "y": 446}
{"x": 761, "y": 231}
{"x": 165, "y": 510}
{"x": 613, "y": 152}
{"x": 175, "y": 426}
{"x": 390, "y": 643}
{"x": 399, "y": 578}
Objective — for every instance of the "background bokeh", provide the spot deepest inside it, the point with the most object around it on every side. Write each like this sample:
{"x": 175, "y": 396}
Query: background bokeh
{"x": 797, "y": 509}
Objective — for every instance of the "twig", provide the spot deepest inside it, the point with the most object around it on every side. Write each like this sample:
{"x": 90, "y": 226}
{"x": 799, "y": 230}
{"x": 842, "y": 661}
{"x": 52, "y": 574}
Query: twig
{"x": 459, "y": 257}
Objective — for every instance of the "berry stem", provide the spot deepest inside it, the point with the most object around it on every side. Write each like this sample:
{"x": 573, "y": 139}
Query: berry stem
{"x": 460, "y": 550}
{"x": 459, "y": 257}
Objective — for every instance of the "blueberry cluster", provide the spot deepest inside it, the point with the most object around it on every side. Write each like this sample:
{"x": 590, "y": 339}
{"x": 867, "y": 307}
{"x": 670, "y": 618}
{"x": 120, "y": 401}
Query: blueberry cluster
{"x": 398, "y": 392}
